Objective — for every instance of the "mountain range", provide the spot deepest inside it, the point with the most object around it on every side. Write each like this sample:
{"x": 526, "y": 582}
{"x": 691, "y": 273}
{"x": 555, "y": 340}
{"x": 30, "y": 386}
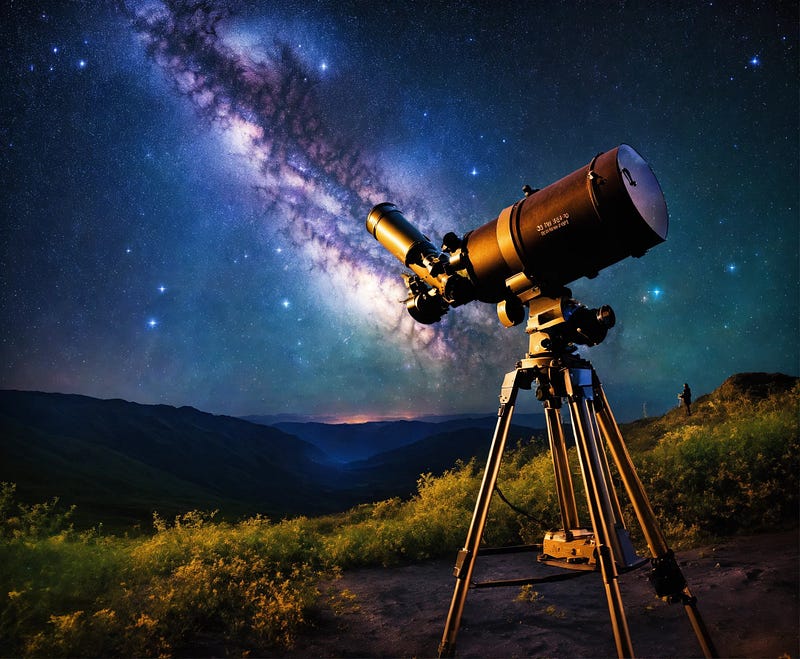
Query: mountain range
{"x": 119, "y": 462}
{"x": 348, "y": 442}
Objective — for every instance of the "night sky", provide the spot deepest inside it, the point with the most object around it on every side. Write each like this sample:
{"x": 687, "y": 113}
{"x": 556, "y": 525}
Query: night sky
{"x": 184, "y": 190}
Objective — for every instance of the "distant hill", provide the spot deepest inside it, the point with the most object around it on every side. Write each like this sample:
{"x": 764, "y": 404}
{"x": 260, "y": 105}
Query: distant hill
{"x": 386, "y": 474}
{"x": 349, "y": 442}
{"x": 122, "y": 460}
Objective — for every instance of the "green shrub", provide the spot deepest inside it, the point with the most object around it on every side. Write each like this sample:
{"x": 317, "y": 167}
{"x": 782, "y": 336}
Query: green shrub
{"x": 738, "y": 476}
{"x": 433, "y": 521}
{"x": 192, "y": 587}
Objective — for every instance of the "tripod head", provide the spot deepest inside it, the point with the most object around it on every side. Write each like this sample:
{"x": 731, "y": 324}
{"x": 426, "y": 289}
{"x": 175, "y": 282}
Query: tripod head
{"x": 557, "y": 325}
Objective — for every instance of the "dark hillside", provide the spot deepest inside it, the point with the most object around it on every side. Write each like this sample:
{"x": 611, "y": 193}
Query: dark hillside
{"x": 737, "y": 394}
{"x": 120, "y": 461}
{"x": 397, "y": 471}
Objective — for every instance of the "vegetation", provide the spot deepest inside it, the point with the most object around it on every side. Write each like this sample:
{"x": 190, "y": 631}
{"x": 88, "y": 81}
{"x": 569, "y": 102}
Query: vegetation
{"x": 200, "y": 586}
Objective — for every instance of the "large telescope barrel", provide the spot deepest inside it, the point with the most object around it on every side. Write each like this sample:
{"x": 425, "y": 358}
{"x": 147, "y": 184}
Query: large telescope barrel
{"x": 600, "y": 214}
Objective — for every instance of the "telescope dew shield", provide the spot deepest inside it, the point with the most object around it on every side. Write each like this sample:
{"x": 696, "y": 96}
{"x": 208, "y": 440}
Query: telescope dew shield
{"x": 403, "y": 240}
{"x": 413, "y": 249}
{"x": 600, "y": 214}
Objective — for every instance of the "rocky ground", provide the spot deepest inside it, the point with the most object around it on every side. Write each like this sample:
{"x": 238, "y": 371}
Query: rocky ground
{"x": 747, "y": 590}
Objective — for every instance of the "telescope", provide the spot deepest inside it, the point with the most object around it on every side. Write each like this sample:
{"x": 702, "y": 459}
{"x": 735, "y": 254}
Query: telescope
{"x": 522, "y": 261}
{"x": 600, "y": 214}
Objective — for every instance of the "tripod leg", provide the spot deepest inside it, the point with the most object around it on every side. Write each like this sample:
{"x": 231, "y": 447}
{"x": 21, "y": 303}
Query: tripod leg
{"x": 465, "y": 562}
{"x": 666, "y": 576}
{"x": 563, "y": 477}
{"x": 578, "y": 387}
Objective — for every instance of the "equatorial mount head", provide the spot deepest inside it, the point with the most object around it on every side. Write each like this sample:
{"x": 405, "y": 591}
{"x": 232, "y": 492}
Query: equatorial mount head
{"x": 557, "y": 325}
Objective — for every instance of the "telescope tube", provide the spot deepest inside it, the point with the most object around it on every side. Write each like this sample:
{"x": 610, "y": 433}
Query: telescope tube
{"x": 604, "y": 212}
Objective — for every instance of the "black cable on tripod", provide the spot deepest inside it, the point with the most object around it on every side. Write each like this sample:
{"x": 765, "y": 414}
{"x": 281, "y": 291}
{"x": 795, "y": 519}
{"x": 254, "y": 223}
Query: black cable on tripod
{"x": 517, "y": 509}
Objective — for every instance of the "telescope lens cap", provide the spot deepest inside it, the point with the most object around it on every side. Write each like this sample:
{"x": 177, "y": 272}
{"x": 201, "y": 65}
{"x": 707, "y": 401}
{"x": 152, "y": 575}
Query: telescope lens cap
{"x": 643, "y": 189}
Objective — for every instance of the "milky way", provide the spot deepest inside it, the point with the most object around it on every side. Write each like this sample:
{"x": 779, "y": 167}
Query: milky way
{"x": 314, "y": 187}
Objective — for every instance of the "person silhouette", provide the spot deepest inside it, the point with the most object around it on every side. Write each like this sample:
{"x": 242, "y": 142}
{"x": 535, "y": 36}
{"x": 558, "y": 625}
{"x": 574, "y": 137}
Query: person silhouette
{"x": 686, "y": 397}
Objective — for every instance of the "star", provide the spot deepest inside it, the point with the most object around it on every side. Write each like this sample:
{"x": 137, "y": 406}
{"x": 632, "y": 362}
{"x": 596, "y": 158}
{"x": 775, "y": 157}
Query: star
{"x": 755, "y": 60}
{"x": 152, "y": 323}
{"x": 162, "y": 288}
{"x": 652, "y": 295}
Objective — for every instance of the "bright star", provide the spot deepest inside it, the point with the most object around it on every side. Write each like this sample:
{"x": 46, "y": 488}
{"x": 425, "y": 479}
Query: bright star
{"x": 285, "y": 303}
{"x": 323, "y": 66}
{"x": 474, "y": 172}
{"x": 152, "y": 323}
{"x": 755, "y": 60}
{"x": 731, "y": 267}
{"x": 652, "y": 295}
{"x": 82, "y": 64}
{"x": 162, "y": 288}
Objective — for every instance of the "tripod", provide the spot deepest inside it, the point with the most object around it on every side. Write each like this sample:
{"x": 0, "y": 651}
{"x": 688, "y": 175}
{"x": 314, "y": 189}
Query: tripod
{"x": 554, "y": 326}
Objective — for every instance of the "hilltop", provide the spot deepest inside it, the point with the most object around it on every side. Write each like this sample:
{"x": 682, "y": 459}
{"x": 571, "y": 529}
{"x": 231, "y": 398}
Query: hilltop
{"x": 738, "y": 393}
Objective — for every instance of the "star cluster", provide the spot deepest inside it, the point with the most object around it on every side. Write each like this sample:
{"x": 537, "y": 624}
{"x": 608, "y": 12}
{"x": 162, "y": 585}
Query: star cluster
{"x": 186, "y": 183}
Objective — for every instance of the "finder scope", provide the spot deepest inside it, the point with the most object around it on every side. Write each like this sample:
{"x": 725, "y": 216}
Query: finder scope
{"x": 600, "y": 214}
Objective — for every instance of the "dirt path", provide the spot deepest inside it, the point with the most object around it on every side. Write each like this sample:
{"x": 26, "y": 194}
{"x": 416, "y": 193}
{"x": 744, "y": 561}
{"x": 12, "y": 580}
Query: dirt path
{"x": 747, "y": 590}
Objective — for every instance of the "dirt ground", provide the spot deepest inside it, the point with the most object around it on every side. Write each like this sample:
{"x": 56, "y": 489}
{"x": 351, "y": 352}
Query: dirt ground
{"x": 747, "y": 591}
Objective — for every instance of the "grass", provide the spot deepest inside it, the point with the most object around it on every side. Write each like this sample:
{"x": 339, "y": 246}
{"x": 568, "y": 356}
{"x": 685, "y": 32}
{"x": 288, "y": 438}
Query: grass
{"x": 199, "y": 586}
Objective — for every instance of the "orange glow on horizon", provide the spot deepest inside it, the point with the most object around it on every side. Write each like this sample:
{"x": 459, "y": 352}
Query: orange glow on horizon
{"x": 367, "y": 418}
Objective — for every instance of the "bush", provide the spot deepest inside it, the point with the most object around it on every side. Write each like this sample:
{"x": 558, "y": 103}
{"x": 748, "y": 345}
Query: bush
{"x": 193, "y": 587}
{"x": 738, "y": 476}
{"x": 434, "y": 521}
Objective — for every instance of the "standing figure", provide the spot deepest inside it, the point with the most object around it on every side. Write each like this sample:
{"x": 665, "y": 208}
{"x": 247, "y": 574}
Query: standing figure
{"x": 686, "y": 397}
